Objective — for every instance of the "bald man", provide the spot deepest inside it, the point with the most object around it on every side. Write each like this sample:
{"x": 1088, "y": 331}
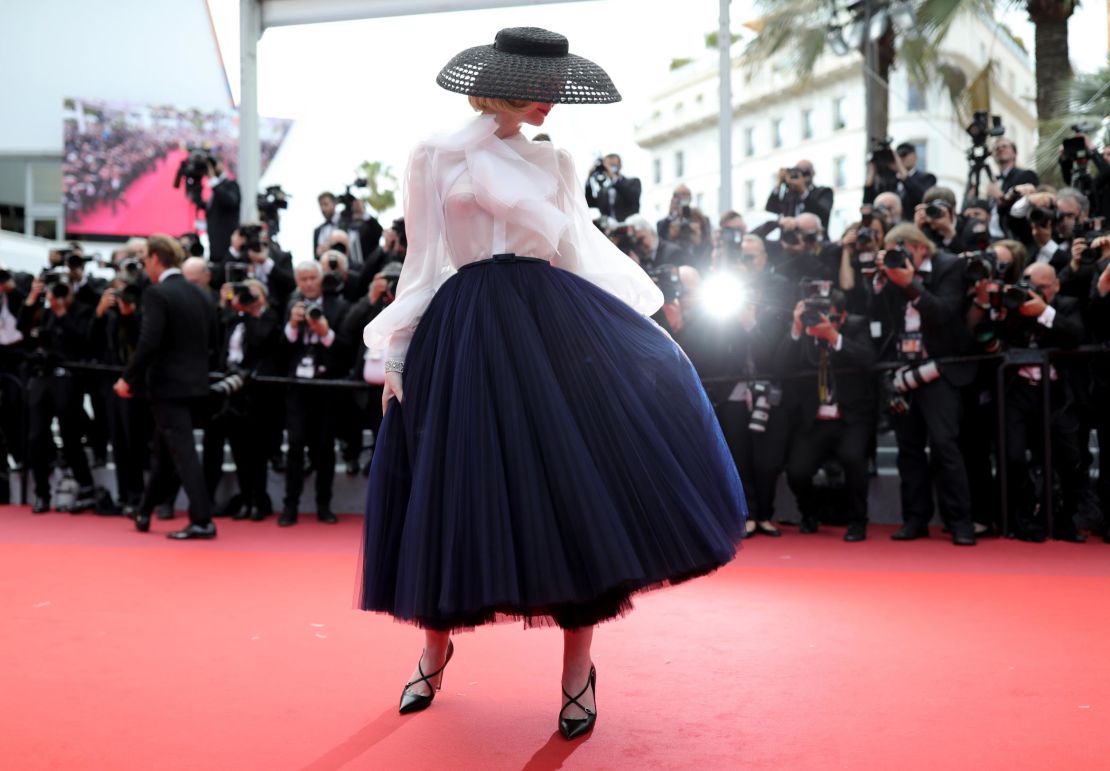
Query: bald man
{"x": 196, "y": 271}
{"x": 1046, "y": 319}
{"x": 795, "y": 193}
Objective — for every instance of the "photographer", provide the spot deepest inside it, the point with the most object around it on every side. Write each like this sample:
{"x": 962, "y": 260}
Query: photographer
{"x": 689, "y": 232}
{"x": 266, "y": 262}
{"x": 920, "y": 299}
{"x": 832, "y": 413}
{"x": 315, "y": 352}
{"x": 896, "y": 172}
{"x": 330, "y": 211}
{"x": 222, "y": 210}
{"x": 115, "y": 336}
{"x": 1047, "y": 222}
{"x": 57, "y": 330}
{"x": 801, "y": 251}
{"x": 395, "y": 244}
{"x": 1033, "y": 314}
{"x": 1001, "y": 191}
{"x": 936, "y": 218}
{"x": 249, "y": 342}
{"x": 858, "y": 250}
{"x": 636, "y": 238}
{"x": 1099, "y": 328}
{"x": 681, "y": 199}
{"x": 1077, "y": 155}
{"x": 795, "y": 194}
{"x": 611, "y": 193}
{"x": 12, "y": 396}
{"x": 740, "y": 320}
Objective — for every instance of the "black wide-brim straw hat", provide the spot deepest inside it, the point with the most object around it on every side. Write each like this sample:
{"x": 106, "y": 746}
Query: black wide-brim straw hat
{"x": 531, "y": 64}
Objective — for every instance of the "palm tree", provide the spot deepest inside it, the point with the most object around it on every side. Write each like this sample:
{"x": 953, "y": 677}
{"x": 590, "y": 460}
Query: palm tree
{"x": 1050, "y": 20}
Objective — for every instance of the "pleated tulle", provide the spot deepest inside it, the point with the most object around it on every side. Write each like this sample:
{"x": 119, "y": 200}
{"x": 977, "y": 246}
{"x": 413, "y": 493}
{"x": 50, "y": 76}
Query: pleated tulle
{"x": 555, "y": 453}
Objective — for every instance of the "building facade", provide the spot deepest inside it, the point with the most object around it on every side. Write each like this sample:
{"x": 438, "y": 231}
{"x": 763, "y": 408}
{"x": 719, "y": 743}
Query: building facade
{"x": 777, "y": 122}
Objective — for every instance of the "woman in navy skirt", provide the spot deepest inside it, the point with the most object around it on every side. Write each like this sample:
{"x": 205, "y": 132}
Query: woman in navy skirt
{"x": 551, "y": 451}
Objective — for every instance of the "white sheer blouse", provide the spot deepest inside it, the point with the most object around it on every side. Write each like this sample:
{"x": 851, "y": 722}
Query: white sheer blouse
{"x": 470, "y": 195}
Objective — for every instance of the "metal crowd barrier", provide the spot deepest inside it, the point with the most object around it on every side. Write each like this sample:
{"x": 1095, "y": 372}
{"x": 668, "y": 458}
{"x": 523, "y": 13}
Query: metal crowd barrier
{"x": 1024, "y": 357}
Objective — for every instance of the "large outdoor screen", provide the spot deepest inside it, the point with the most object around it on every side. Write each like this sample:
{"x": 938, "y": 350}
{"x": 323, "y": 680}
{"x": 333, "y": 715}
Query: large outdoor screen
{"x": 122, "y": 162}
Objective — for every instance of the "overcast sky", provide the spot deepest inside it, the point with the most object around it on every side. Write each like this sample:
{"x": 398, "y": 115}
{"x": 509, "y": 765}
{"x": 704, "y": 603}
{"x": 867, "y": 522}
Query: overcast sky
{"x": 365, "y": 90}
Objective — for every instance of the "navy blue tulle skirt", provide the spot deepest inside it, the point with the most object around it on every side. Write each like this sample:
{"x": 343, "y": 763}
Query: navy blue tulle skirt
{"x": 555, "y": 453}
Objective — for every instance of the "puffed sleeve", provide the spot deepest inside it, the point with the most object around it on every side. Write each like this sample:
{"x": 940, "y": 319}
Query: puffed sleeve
{"x": 427, "y": 264}
{"x": 583, "y": 249}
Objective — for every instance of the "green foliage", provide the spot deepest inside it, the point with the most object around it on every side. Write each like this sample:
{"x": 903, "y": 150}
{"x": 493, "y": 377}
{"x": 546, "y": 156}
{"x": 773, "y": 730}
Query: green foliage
{"x": 679, "y": 63}
{"x": 711, "y": 38}
{"x": 381, "y": 186}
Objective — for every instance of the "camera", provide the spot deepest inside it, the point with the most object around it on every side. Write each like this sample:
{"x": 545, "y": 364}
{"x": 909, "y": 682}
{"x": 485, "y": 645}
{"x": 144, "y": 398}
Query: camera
{"x": 764, "y": 397}
{"x": 1016, "y": 295}
{"x": 984, "y": 125}
{"x": 910, "y": 378}
{"x": 236, "y": 272}
{"x": 347, "y": 200}
{"x": 253, "y": 236}
{"x": 1089, "y": 230}
{"x": 270, "y": 203}
{"x": 130, "y": 269}
{"x": 624, "y": 237}
{"x": 897, "y": 257}
{"x": 315, "y": 313}
{"x": 980, "y": 265}
{"x": 1041, "y": 216}
{"x": 243, "y": 294}
{"x": 881, "y": 154}
{"x": 732, "y": 246}
{"x": 130, "y": 293}
{"x": 815, "y": 310}
{"x": 232, "y": 383}
{"x": 193, "y": 170}
{"x": 936, "y": 210}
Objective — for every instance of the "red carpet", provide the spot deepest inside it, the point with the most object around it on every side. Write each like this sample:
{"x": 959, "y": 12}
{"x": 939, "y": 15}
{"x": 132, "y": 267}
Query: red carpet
{"x": 127, "y": 651}
{"x": 153, "y": 206}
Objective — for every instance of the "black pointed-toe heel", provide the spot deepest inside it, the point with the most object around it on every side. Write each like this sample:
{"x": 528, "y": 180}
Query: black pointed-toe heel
{"x": 573, "y": 728}
{"x": 415, "y": 702}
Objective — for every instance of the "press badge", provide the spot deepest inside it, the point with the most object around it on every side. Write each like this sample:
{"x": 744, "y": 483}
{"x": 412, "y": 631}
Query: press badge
{"x": 307, "y": 368}
{"x": 828, "y": 412}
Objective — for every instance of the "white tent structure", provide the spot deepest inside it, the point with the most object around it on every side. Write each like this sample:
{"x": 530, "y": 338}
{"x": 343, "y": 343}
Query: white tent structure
{"x": 256, "y": 16}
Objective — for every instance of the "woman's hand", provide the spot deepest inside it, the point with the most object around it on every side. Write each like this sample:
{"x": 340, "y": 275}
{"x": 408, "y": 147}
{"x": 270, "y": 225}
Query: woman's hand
{"x": 391, "y": 388}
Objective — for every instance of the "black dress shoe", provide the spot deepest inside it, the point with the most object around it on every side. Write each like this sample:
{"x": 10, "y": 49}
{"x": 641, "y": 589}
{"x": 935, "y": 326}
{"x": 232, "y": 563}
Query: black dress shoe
{"x": 325, "y": 515}
{"x": 415, "y": 702}
{"x": 857, "y": 531}
{"x": 83, "y": 501}
{"x": 41, "y": 504}
{"x": 194, "y": 531}
{"x": 766, "y": 528}
{"x": 245, "y": 512}
{"x": 808, "y": 525}
{"x": 287, "y": 518}
{"x": 910, "y": 533}
{"x": 963, "y": 536}
{"x": 263, "y": 505}
{"x": 572, "y": 728}
{"x": 142, "y": 521}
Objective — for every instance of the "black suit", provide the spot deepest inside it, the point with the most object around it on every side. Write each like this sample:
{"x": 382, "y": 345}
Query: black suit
{"x": 172, "y": 359}
{"x": 1025, "y": 418}
{"x": 725, "y": 349}
{"x": 222, "y": 216}
{"x": 311, "y": 412}
{"x": 846, "y": 437}
{"x": 619, "y": 199}
{"x": 1015, "y": 177}
{"x": 817, "y": 200}
{"x": 911, "y": 189}
{"x": 934, "y": 414}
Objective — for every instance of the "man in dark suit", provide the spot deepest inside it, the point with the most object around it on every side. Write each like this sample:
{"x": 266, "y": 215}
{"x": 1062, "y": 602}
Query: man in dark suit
{"x": 315, "y": 351}
{"x": 795, "y": 193}
{"x": 613, "y": 194}
{"x": 832, "y": 413}
{"x": 1046, "y": 320}
{"x": 901, "y": 176}
{"x": 921, "y": 306}
{"x": 221, "y": 211}
{"x": 323, "y": 231}
{"x": 172, "y": 359}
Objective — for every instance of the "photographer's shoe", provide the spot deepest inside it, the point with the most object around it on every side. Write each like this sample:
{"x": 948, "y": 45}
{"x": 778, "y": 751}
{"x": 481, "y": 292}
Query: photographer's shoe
{"x": 910, "y": 532}
{"x": 857, "y": 531}
{"x": 325, "y": 515}
{"x": 288, "y": 517}
{"x": 194, "y": 532}
{"x": 808, "y": 524}
{"x": 41, "y": 504}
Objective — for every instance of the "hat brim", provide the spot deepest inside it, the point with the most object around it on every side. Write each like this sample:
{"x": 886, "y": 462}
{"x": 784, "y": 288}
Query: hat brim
{"x": 486, "y": 71}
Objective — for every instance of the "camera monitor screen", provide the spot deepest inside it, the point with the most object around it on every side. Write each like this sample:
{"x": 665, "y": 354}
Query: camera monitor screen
{"x": 121, "y": 162}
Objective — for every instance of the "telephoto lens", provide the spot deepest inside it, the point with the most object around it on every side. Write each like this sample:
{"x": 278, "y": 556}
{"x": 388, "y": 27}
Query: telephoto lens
{"x": 897, "y": 257}
{"x": 316, "y": 313}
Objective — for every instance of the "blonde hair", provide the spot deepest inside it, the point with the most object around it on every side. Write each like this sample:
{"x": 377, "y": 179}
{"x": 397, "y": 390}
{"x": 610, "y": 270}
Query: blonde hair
{"x": 490, "y": 104}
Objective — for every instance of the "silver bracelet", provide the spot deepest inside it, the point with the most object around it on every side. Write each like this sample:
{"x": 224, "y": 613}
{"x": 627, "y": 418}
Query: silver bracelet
{"x": 394, "y": 365}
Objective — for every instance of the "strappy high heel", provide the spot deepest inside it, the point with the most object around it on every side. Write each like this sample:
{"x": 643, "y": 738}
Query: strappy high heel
{"x": 415, "y": 702}
{"x": 572, "y": 728}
